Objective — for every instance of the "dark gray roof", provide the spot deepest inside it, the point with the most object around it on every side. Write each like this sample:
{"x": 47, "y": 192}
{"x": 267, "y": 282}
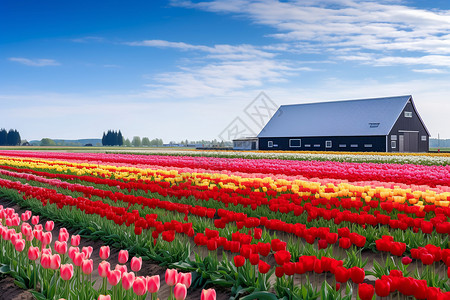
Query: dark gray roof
{"x": 336, "y": 118}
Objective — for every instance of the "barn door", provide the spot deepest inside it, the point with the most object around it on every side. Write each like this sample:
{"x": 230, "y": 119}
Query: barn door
{"x": 401, "y": 143}
{"x": 413, "y": 138}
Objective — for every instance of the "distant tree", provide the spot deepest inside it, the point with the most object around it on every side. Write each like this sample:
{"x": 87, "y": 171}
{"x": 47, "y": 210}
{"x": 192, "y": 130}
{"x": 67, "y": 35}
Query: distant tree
{"x": 47, "y": 142}
{"x": 13, "y": 138}
{"x": 146, "y": 142}
{"x": 136, "y": 141}
{"x": 120, "y": 139}
{"x": 3, "y": 137}
{"x": 112, "y": 138}
{"x": 127, "y": 143}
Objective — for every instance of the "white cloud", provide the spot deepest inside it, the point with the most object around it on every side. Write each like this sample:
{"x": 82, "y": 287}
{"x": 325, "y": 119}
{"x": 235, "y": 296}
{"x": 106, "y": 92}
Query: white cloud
{"x": 430, "y": 71}
{"x": 42, "y": 62}
{"x": 346, "y": 26}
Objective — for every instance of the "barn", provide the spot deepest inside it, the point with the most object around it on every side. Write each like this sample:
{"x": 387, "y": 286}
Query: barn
{"x": 390, "y": 124}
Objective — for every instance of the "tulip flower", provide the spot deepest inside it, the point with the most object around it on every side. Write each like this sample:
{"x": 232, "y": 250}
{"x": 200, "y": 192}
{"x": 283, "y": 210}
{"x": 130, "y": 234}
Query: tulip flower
{"x": 153, "y": 284}
{"x": 136, "y": 264}
{"x": 66, "y": 271}
{"x": 78, "y": 258}
{"x": 46, "y": 261}
{"x": 55, "y": 262}
{"x": 20, "y": 245}
{"x": 103, "y": 269}
{"x": 104, "y": 252}
{"x": 209, "y": 294}
{"x": 46, "y": 238}
{"x": 87, "y": 251}
{"x": 114, "y": 277}
{"x": 382, "y": 288}
{"x": 123, "y": 256}
{"x": 49, "y": 225}
{"x": 239, "y": 261}
{"x": 75, "y": 240}
{"x": 139, "y": 286}
{"x": 33, "y": 253}
{"x": 128, "y": 280}
{"x": 365, "y": 291}
{"x": 184, "y": 278}
{"x": 34, "y": 220}
{"x": 72, "y": 251}
{"x": 171, "y": 277}
{"x": 87, "y": 266}
{"x": 406, "y": 260}
{"x": 61, "y": 247}
{"x": 180, "y": 291}
{"x": 103, "y": 297}
{"x": 263, "y": 267}
{"x": 63, "y": 235}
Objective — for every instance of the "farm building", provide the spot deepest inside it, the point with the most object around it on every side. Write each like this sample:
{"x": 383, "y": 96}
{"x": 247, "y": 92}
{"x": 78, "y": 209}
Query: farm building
{"x": 389, "y": 124}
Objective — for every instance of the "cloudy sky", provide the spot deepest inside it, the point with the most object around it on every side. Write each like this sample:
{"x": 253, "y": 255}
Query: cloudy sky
{"x": 187, "y": 69}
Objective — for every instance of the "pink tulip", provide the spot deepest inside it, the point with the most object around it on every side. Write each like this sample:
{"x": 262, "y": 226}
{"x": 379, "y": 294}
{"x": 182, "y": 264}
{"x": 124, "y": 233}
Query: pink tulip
{"x": 72, "y": 251}
{"x": 78, "y": 259}
{"x": 33, "y": 253}
{"x": 38, "y": 227}
{"x": 185, "y": 278}
{"x": 25, "y": 216}
{"x": 103, "y": 297}
{"x": 87, "y": 251}
{"x": 139, "y": 286}
{"x": 63, "y": 235}
{"x": 29, "y": 238}
{"x": 20, "y": 245}
{"x": 37, "y": 234}
{"x": 153, "y": 284}
{"x": 121, "y": 268}
{"x": 14, "y": 238}
{"x": 66, "y": 271}
{"x": 75, "y": 240}
{"x": 46, "y": 261}
{"x": 26, "y": 229}
{"x": 34, "y": 220}
{"x": 47, "y": 251}
{"x": 49, "y": 225}
{"x": 87, "y": 266}
{"x": 171, "y": 277}
{"x": 180, "y": 291}
{"x": 61, "y": 247}
{"x": 209, "y": 294}
{"x": 104, "y": 252}
{"x": 123, "y": 256}
{"x": 103, "y": 269}
{"x": 136, "y": 264}
{"x": 114, "y": 277}
{"x": 46, "y": 238}
{"x": 127, "y": 280}
{"x": 55, "y": 262}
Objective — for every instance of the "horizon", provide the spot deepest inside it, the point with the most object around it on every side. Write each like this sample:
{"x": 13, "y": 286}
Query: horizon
{"x": 181, "y": 70}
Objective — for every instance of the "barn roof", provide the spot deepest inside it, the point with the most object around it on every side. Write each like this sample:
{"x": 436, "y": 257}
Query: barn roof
{"x": 361, "y": 117}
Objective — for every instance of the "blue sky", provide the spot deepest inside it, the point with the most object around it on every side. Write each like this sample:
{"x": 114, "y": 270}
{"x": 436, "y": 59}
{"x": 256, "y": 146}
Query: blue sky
{"x": 186, "y": 69}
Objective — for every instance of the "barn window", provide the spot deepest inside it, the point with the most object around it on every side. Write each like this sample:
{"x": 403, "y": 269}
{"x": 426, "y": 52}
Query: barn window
{"x": 327, "y": 144}
{"x": 408, "y": 114}
{"x": 308, "y": 145}
{"x": 295, "y": 143}
{"x": 368, "y": 145}
{"x": 317, "y": 145}
{"x": 342, "y": 145}
{"x": 270, "y": 144}
{"x": 354, "y": 145}
{"x": 424, "y": 138}
{"x": 393, "y": 137}
{"x": 393, "y": 144}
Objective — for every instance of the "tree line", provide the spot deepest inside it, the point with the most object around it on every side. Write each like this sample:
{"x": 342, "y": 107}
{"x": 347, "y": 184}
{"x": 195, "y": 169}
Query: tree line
{"x": 112, "y": 138}
{"x": 9, "y": 138}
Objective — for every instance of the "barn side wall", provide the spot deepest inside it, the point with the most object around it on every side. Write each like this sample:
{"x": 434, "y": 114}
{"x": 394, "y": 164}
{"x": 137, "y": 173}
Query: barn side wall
{"x": 340, "y": 143}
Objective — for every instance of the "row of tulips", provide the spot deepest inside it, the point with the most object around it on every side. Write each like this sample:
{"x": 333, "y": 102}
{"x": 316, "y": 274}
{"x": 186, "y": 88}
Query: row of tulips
{"x": 69, "y": 270}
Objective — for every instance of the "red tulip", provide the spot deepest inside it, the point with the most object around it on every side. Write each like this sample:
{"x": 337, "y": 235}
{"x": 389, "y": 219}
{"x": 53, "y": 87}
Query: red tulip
{"x": 239, "y": 261}
{"x": 322, "y": 244}
{"x": 282, "y": 257}
{"x": 263, "y": 267}
{"x": 136, "y": 264}
{"x": 180, "y": 291}
{"x": 365, "y": 291}
{"x": 87, "y": 266}
{"x": 171, "y": 277}
{"x": 406, "y": 260}
{"x": 33, "y": 253}
{"x": 254, "y": 259}
{"x": 66, "y": 271}
{"x": 342, "y": 274}
{"x": 344, "y": 243}
{"x": 357, "y": 275}
{"x": 153, "y": 284}
{"x": 382, "y": 288}
{"x": 104, "y": 252}
{"x": 257, "y": 233}
{"x": 279, "y": 272}
{"x": 209, "y": 294}
{"x": 140, "y": 286}
{"x": 338, "y": 286}
{"x": 123, "y": 256}
{"x": 331, "y": 237}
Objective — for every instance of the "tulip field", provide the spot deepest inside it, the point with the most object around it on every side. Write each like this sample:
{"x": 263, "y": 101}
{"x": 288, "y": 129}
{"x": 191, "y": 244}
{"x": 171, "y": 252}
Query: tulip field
{"x": 244, "y": 228}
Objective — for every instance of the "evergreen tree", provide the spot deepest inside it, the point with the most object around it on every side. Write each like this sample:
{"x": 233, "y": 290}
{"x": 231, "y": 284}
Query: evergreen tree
{"x": 13, "y": 138}
{"x": 120, "y": 139}
{"x": 3, "y": 137}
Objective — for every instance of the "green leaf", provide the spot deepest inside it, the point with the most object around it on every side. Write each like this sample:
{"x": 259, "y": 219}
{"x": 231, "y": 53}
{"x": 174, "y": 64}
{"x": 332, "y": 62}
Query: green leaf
{"x": 20, "y": 284}
{"x": 260, "y": 296}
{"x": 5, "y": 269}
{"x": 38, "y": 295}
